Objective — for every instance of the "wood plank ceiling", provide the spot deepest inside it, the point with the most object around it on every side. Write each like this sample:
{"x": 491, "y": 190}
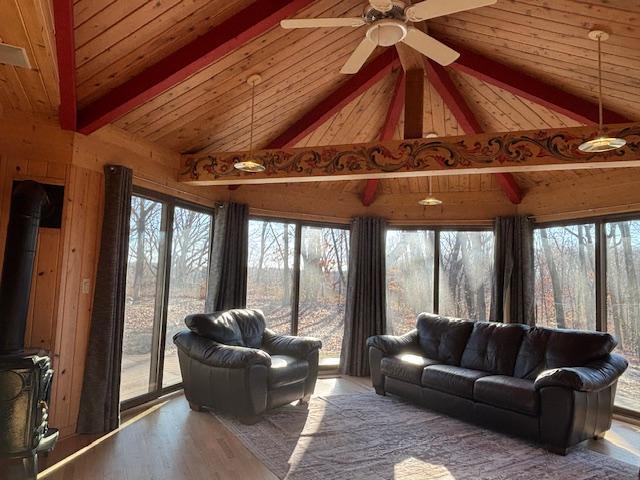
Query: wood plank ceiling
{"x": 116, "y": 40}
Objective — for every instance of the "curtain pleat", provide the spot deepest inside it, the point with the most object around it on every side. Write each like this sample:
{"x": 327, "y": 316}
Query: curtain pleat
{"x": 100, "y": 400}
{"x": 229, "y": 256}
{"x": 366, "y": 294}
{"x": 512, "y": 300}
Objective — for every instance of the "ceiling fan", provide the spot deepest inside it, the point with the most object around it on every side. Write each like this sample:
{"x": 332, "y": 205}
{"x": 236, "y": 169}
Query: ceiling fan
{"x": 390, "y": 23}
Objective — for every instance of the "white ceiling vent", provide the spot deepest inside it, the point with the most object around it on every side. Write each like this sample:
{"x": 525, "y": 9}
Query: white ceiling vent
{"x": 12, "y": 55}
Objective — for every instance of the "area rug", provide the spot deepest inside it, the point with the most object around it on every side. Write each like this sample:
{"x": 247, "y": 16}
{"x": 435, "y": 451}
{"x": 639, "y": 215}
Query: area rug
{"x": 366, "y": 436}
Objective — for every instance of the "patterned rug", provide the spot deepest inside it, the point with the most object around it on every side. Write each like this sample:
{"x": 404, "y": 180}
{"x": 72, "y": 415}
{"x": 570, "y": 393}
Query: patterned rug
{"x": 366, "y": 436}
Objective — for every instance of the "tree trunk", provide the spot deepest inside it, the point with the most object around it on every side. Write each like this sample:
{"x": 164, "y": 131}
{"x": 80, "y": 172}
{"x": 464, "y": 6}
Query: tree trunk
{"x": 556, "y": 284}
{"x": 286, "y": 289}
{"x": 138, "y": 276}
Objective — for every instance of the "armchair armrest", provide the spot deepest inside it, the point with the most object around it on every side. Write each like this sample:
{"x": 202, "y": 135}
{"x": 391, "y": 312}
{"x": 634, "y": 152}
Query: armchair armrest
{"x": 299, "y": 347}
{"x": 216, "y": 354}
{"x": 590, "y": 378}
{"x": 393, "y": 345}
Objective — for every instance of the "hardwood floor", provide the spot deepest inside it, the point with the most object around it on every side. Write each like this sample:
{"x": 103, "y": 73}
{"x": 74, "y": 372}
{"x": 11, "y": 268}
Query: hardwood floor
{"x": 168, "y": 441}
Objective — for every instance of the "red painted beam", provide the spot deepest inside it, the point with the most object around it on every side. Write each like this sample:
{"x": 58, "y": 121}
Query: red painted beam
{"x": 452, "y": 97}
{"x": 388, "y": 130}
{"x": 531, "y": 88}
{"x": 244, "y": 26}
{"x": 357, "y": 84}
{"x": 66, "y": 54}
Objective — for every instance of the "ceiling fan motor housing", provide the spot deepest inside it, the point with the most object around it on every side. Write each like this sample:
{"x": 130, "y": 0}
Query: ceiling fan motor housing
{"x": 371, "y": 14}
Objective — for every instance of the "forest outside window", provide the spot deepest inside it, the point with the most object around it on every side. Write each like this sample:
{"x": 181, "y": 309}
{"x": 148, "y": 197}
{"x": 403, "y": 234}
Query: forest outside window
{"x": 167, "y": 273}
{"x": 571, "y": 277}
{"x": 297, "y": 275}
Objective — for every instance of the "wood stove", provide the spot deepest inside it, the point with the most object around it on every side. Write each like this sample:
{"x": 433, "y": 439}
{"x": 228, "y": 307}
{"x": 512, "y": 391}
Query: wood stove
{"x": 25, "y": 377}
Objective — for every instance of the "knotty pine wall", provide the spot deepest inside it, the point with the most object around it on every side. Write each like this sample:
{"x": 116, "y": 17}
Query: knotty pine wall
{"x": 60, "y": 309}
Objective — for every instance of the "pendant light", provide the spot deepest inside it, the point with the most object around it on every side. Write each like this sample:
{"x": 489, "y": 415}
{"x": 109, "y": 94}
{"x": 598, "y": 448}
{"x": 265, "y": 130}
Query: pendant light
{"x": 601, "y": 143}
{"x": 430, "y": 201}
{"x": 251, "y": 164}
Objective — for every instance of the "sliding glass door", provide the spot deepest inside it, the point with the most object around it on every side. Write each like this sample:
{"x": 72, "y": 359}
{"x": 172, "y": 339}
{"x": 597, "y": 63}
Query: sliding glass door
{"x": 297, "y": 275}
{"x": 167, "y": 273}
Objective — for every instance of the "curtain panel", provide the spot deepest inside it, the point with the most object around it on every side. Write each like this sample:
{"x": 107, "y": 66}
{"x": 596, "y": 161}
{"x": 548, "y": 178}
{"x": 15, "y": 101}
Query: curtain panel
{"x": 100, "y": 400}
{"x": 513, "y": 286}
{"x": 366, "y": 293}
{"x": 229, "y": 256}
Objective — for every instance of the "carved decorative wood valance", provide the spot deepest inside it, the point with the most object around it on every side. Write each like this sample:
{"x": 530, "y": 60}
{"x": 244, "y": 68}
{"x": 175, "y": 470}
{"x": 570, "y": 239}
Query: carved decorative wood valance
{"x": 487, "y": 153}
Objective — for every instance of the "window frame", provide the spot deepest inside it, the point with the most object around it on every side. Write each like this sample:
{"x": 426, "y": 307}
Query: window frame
{"x": 295, "y": 280}
{"x": 601, "y": 286}
{"x": 158, "y": 341}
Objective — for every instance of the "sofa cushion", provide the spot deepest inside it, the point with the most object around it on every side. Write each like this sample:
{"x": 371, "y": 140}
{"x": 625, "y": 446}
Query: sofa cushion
{"x": 507, "y": 392}
{"x": 239, "y": 328}
{"x": 451, "y": 379}
{"x": 531, "y": 356}
{"x": 286, "y": 370}
{"x": 493, "y": 347}
{"x": 443, "y": 338}
{"x": 406, "y": 367}
{"x": 574, "y": 348}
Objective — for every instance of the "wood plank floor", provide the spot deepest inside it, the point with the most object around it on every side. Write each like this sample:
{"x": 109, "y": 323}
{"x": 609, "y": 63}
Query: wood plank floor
{"x": 168, "y": 441}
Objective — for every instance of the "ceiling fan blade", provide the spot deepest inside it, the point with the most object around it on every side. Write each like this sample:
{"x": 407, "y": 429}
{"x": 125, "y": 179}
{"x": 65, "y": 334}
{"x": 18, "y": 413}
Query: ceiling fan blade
{"x": 321, "y": 22}
{"x": 359, "y": 57}
{"x": 430, "y": 47}
{"x": 432, "y": 9}
{"x": 382, "y": 5}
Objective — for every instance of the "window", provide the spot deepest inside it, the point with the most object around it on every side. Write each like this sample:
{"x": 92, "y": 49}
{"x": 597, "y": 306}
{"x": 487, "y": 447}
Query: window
{"x": 324, "y": 259}
{"x": 457, "y": 281}
{"x": 270, "y": 271}
{"x": 410, "y": 267}
{"x": 297, "y": 275}
{"x": 565, "y": 276}
{"x": 623, "y": 304}
{"x": 466, "y": 273}
{"x": 167, "y": 273}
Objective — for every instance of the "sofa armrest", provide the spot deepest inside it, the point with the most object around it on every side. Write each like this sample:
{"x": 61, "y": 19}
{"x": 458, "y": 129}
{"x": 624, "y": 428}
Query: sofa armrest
{"x": 299, "y": 347}
{"x": 214, "y": 354}
{"x": 590, "y": 378}
{"x": 393, "y": 345}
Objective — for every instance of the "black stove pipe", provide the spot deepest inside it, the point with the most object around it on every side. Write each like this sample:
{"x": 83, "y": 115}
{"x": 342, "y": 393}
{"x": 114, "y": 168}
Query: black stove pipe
{"x": 27, "y": 201}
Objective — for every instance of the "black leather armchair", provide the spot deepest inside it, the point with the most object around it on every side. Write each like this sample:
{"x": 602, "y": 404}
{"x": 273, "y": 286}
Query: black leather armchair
{"x": 231, "y": 363}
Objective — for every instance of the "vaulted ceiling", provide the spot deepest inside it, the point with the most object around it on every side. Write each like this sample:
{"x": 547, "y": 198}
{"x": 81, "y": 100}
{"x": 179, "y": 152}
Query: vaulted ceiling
{"x": 117, "y": 41}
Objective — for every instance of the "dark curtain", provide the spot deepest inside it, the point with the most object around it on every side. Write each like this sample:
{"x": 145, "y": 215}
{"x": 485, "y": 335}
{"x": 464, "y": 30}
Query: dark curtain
{"x": 366, "y": 294}
{"x": 229, "y": 255}
{"x": 100, "y": 401}
{"x": 513, "y": 284}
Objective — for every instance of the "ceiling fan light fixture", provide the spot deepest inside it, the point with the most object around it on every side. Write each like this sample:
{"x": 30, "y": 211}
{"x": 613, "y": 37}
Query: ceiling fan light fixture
{"x": 602, "y": 143}
{"x": 430, "y": 202}
{"x": 250, "y": 166}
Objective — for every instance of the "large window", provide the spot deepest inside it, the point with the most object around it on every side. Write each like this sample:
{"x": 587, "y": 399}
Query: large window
{"x": 466, "y": 273}
{"x": 455, "y": 282}
{"x": 565, "y": 276}
{"x": 410, "y": 267}
{"x": 166, "y": 280}
{"x": 587, "y": 277}
{"x": 297, "y": 275}
{"x": 623, "y": 304}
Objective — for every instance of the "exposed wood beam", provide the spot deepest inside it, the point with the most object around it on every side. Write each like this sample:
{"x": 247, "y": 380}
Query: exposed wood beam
{"x": 441, "y": 81}
{"x": 387, "y": 132}
{"x": 244, "y": 26}
{"x": 66, "y": 55}
{"x": 414, "y": 104}
{"x": 531, "y": 88}
{"x": 355, "y": 86}
{"x": 535, "y": 150}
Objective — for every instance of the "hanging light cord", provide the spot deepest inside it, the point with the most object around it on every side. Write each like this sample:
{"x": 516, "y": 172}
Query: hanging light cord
{"x": 430, "y": 189}
{"x": 600, "y": 115}
{"x": 253, "y": 99}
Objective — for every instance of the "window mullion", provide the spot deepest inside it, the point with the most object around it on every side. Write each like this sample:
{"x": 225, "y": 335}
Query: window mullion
{"x": 601, "y": 277}
{"x": 436, "y": 270}
{"x": 295, "y": 288}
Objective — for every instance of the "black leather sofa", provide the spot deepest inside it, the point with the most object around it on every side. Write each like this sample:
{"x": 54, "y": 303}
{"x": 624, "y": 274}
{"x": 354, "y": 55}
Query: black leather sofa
{"x": 231, "y": 363}
{"x": 553, "y": 386}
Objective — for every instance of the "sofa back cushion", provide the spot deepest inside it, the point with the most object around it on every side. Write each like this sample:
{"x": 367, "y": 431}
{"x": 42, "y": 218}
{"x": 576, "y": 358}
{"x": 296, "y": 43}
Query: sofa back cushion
{"x": 574, "y": 348}
{"x": 493, "y": 347}
{"x": 544, "y": 348}
{"x": 239, "y": 328}
{"x": 443, "y": 338}
{"x": 531, "y": 356}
